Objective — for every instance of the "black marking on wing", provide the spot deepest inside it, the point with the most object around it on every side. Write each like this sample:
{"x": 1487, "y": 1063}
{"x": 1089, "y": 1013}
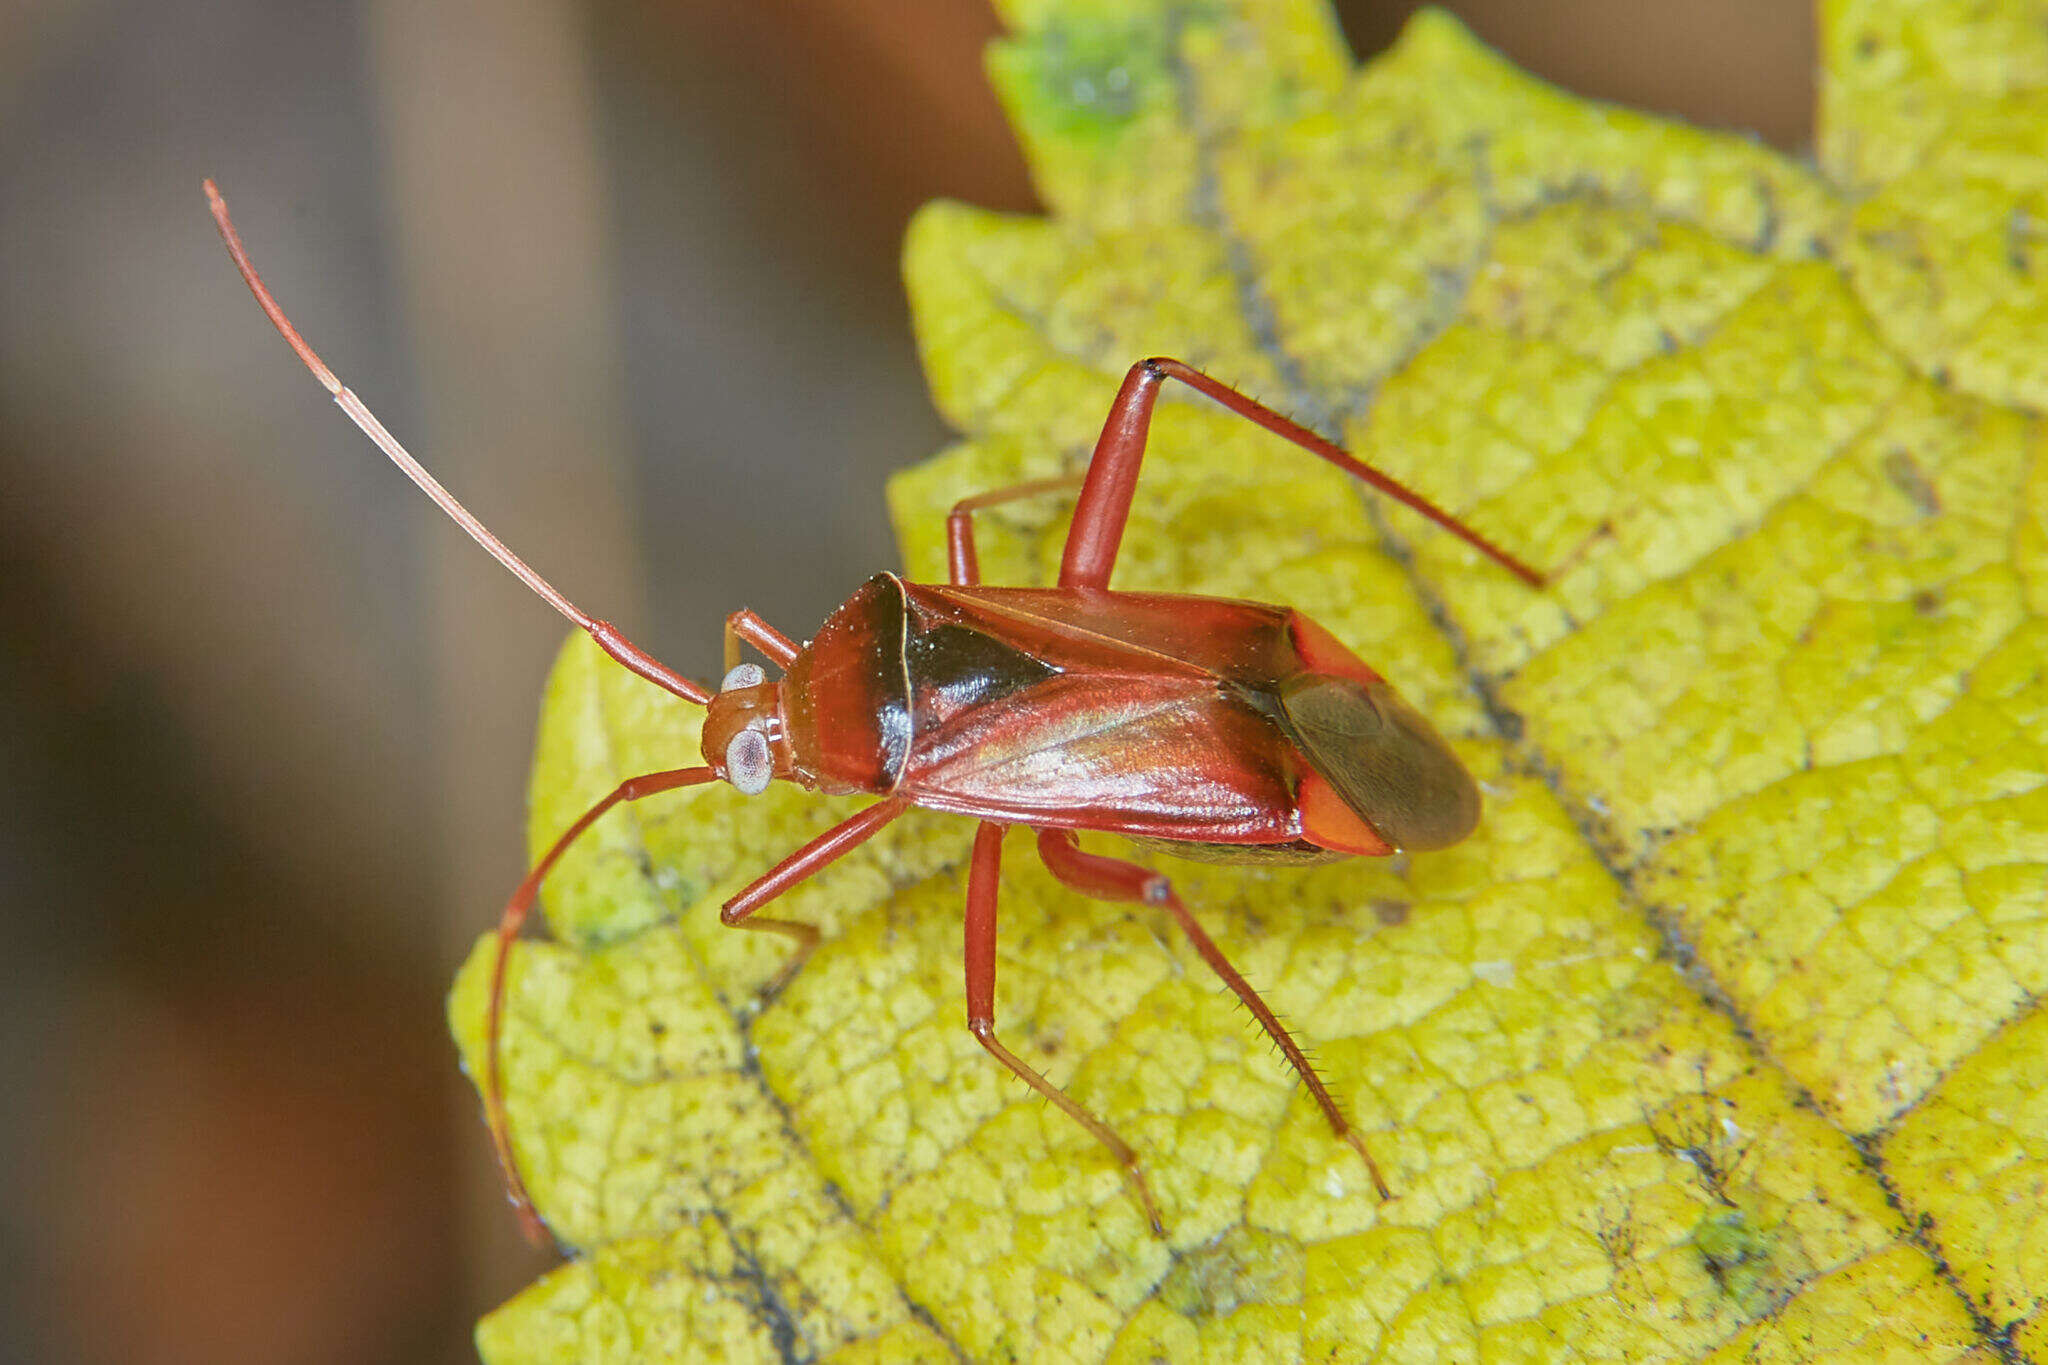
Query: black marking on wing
{"x": 952, "y": 668}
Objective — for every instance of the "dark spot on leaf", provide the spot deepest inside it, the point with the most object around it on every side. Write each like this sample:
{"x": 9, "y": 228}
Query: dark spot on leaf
{"x": 1390, "y": 912}
{"x": 759, "y": 1291}
{"x": 1618, "y": 1240}
{"x": 1048, "y": 1042}
{"x": 1903, "y": 472}
{"x": 2022, "y": 231}
{"x": 1243, "y": 1266}
{"x": 1735, "y": 1251}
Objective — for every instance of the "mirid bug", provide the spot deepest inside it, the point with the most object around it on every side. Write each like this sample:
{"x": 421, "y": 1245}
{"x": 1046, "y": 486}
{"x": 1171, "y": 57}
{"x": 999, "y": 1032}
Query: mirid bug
{"x": 1199, "y": 726}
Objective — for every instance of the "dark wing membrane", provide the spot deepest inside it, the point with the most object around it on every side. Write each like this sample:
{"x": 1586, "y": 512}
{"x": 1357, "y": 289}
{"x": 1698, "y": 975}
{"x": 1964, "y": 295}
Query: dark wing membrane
{"x": 1386, "y": 761}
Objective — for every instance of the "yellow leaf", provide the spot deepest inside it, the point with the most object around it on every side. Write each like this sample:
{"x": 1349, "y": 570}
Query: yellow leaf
{"x": 1721, "y": 1037}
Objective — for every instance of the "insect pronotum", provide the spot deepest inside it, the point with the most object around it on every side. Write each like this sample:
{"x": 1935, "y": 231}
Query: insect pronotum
{"x": 1200, "y": 726}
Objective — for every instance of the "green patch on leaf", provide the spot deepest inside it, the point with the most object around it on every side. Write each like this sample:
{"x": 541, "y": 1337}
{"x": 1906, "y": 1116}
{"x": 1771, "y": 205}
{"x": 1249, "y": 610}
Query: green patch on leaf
{"x": 1736, "y": 1252}
{"x": 1088, "y": 77}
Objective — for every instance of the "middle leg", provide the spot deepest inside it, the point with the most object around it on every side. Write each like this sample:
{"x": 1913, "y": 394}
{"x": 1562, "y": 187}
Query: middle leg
{"x": 963, "y": 564}
{"x": 834, "y": 844}
{"x": 981, "y": 1013}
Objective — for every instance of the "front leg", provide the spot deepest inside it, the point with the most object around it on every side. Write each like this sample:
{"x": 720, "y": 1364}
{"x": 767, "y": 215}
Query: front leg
{"x": 510, "y": 921}
{"x": 820, "y": 853}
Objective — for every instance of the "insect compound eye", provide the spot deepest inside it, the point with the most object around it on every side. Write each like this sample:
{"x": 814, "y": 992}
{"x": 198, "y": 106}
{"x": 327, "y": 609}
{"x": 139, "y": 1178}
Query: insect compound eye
{"x": 743, "y": 675}
{"x": 747, "y": 763}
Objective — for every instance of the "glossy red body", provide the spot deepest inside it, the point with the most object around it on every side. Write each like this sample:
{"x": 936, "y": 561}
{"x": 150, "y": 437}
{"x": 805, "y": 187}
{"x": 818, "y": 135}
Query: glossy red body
{"x": 1160, "y": 716}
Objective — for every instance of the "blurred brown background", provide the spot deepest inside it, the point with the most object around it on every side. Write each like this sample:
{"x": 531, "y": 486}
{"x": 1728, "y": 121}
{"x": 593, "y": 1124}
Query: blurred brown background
{"x": 625, "y": 275}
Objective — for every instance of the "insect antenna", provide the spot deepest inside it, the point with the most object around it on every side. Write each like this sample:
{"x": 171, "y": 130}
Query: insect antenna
{"x": 605, "y": 633}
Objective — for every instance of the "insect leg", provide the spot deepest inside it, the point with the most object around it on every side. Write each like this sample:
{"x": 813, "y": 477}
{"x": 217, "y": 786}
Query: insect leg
{"x": 1115, "y": 880}
{"x": 827, "y": 848}
{"x": 1112, "y": 480}
{"x": 746, "y": 625}
{"x": 982, "y": 878}
{"x": 966, "y": 568}
{"x": 509, "y": 924}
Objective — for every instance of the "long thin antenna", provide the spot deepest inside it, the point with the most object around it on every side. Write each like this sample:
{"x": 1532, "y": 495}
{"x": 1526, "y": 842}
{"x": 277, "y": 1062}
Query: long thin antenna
{"x": 606, "y": 634}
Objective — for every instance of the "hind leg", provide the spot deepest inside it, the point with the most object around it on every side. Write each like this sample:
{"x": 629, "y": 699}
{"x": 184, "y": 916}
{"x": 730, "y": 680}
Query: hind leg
{"x": 1112, "y": 879}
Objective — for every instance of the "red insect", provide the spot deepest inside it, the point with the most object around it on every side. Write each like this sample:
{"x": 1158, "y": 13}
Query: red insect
{"x": 1209, "y": 728}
